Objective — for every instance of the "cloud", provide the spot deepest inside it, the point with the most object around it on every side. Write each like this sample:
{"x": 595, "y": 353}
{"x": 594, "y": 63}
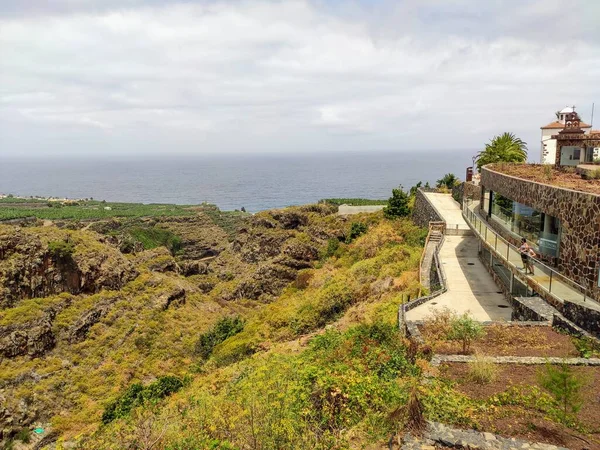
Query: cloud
{"x": 162, "y": 76}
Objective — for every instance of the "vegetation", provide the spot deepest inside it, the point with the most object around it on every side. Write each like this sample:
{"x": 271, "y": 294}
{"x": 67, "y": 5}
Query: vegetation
{"x": 565, "y": 387}
{"x": 483, "y": 370}
{"x": 61, "y": 250}
{"x": 504, "y": 148}
{"x": 356, "y": 229}
{"x": 398, "y": 204}
{"x": 352, "y": 201}
{"x": 157, "y": 237}
{"x": 91, "y": 209}
{"x": 465, "y": 329}
{"x": 137, "y": 395}
{"x": 223, "y": 329}
{"x": 448, "y": 181}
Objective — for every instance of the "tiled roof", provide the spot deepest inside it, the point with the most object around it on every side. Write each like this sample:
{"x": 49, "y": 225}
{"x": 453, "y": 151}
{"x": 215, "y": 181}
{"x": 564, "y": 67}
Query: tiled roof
{"x": 560, "y": 126}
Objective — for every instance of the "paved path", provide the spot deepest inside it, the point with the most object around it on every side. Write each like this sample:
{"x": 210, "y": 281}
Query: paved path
{"x": 470, "y": 287}
{"x": 448, "y": 208}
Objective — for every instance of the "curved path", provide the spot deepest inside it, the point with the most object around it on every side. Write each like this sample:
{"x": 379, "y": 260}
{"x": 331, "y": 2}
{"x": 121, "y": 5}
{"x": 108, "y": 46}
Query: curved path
{"x": 470, "y": 287}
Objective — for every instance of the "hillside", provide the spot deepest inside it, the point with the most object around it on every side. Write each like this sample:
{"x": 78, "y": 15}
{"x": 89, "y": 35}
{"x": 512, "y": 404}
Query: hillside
{"x": 91, "y": 309}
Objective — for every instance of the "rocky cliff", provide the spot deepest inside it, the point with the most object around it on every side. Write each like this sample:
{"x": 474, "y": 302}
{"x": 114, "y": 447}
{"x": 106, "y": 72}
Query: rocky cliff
{"x": 81, "y": 313}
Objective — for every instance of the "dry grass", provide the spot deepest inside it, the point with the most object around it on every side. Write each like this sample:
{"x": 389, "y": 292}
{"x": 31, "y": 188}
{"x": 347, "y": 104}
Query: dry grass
{"x": 483, "y": 370}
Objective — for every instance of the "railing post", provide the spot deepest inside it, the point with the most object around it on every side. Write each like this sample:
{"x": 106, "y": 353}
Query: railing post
{"x": 550, "y": 285}
{"x": 496, "y": 242}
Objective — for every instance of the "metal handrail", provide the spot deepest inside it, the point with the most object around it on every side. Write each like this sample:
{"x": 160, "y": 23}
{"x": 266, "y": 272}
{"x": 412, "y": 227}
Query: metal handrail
{"x": 553, "y": 272}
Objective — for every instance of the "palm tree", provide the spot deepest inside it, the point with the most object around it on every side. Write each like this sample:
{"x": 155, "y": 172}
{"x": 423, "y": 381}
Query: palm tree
{"x": 504, "y": 148}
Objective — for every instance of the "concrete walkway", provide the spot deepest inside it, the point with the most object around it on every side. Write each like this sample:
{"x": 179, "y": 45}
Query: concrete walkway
{"x": 447, "y": 207}
{"x": 470, "y": 287}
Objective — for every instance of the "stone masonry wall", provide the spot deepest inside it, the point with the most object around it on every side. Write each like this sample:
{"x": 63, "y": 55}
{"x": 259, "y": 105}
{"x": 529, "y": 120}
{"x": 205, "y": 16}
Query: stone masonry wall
{"x": 423, "y": 211}
{"x": 466, "y": 189}
{"x": 579, "y": 213}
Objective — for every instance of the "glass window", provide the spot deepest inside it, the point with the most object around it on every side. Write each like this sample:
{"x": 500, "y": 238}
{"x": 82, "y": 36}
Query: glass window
{"x": 486, "y": 201}
{"x": 541, "y": 230}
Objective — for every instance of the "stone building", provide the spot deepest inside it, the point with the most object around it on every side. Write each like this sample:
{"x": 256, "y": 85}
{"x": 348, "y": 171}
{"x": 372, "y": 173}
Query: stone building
{"x": 560, "y": 222}
{"x": 548, "y": 139}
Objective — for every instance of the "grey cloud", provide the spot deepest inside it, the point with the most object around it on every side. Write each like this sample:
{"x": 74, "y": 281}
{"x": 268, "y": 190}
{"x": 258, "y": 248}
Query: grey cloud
{"x": 288, "y": 76}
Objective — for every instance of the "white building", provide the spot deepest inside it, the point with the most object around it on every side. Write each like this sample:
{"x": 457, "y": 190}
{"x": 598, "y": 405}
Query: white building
{"x": 548, "y": 150}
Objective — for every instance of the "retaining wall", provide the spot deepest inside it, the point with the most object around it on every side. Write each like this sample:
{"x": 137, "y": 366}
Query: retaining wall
{"x": 423, "y": 211}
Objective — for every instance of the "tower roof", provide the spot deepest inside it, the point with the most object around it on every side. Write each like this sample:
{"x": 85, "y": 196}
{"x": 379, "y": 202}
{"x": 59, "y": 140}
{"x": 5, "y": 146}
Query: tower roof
{"x": 567, "y": 110}
{"x": 559, "y": 125}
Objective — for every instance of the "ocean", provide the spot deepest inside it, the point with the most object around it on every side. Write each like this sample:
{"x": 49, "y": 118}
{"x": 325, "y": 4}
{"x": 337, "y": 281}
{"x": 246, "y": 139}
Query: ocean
{"x": 254, "y": 181}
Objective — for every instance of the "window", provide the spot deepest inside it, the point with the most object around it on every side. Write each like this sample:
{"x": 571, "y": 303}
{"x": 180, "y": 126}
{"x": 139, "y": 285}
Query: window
{"x": 541, "y": 230}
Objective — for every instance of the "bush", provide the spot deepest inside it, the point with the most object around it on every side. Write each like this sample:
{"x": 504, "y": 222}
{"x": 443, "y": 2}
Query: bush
{"x": 483, "y": 370}
{"x": 356, "y": 229}
{"x": 398, "y": 204}
{"x": 224, "y": 328}
{"x": 448, "y": 181}
{"x": 137, "y": 395}
{"x": 564, "y": 386}
{"x": 332, "y": 247}
{"x": 61, "y": 250}
{"x": 465, "y": 329}
{"x": 157, "y": 237}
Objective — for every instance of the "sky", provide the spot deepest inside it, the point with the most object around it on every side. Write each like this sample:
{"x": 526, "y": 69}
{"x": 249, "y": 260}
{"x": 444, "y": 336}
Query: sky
{"x": 136, "y": 77}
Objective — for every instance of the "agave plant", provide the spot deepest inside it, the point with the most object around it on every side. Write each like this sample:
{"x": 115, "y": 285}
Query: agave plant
{"x": 504, "y": 148}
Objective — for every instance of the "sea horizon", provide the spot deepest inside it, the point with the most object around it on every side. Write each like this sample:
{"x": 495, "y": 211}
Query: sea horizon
{"x": 255, "y": 181}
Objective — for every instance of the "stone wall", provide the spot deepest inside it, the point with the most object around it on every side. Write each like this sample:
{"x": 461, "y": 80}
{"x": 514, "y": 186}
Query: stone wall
{"x": 466, "y": 189}
{"x": 579, "y": 213}
{"x": 586, "y": 318}
{"x": 423, "y": 211}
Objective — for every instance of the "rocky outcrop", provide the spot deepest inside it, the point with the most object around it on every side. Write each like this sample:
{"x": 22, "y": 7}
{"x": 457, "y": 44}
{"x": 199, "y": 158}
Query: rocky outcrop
{"x": 79, "y": 330}
{"x": 175, "y": 296}
{"x": 33, "y": 339}
{"x": 38, "y": 262}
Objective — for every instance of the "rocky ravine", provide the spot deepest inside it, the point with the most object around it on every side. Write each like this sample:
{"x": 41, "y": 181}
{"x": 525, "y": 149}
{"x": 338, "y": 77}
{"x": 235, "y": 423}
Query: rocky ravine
{"x": 56, "y": 301}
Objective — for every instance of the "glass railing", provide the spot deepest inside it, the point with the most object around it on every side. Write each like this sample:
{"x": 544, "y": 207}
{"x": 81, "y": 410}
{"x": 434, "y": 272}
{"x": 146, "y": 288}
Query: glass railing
{"x": 543, "y": 276}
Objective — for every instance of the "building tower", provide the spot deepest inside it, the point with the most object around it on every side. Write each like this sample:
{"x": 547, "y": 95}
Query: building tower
{"x": 548, "y": 147}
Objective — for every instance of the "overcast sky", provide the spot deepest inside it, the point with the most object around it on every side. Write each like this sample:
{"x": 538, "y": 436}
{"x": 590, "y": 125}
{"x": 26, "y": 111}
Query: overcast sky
{"x": 111, "y": 77}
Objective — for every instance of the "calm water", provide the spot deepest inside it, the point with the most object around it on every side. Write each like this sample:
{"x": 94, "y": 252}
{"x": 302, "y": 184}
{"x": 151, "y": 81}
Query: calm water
{"x": 256, "y": 182}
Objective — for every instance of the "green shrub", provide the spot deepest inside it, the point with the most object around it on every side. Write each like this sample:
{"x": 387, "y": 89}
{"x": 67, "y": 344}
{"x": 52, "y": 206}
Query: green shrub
{"x": 157, "y": 237}
{"x": 137, "y": 395}
{"x": 398, "y": 204}
{"x": 332, "y": 247}
{"x": 465, "y": 329}
{"x": 587, "y": 348}
{"x": 564, "y": 386}
{"x": 356, "y": 229}
{"x": 61, "y": 250}
{"x": 448, "y": 181}
{"x": 224, "y": 328}
{"x": 23, "y": 435}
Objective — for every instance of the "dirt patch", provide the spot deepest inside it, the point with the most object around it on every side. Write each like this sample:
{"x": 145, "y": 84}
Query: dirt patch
{"x": 547, "y": 174}
{"x": 504, "y": 340}
{"x": 526, "y": 423}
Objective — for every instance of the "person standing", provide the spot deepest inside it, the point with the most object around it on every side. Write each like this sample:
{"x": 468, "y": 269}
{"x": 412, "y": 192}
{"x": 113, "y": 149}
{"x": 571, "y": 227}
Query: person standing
{"x": 526, "y": 254}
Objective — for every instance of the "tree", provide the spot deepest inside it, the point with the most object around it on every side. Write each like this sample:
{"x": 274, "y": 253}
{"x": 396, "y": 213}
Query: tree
{"x": 504, "y": 148}
{"x": 564, "y": 386}
{"x": 398, "y": 204}
{"x": 448, "y": 181}
{"x": 465, "y": 329}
